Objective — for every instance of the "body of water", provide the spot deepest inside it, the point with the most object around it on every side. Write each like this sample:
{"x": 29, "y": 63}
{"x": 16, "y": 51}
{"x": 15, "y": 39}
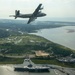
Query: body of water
{"x": 61, "y": 35}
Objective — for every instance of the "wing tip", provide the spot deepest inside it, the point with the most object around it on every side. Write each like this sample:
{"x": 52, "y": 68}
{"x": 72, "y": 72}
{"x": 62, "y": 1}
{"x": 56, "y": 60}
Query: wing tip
{"x": 28, "y": 22}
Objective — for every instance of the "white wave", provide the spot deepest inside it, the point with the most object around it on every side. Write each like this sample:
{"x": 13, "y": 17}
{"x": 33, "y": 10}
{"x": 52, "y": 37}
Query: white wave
{"x": 7, "y": 67}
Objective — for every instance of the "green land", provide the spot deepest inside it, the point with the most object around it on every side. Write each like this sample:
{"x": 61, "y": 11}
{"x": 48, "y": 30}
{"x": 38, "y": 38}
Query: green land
{"x": 18, "y": 45}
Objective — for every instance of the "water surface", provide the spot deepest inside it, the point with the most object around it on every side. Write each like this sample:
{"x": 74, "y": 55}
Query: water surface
{"x": 60, "y": 35}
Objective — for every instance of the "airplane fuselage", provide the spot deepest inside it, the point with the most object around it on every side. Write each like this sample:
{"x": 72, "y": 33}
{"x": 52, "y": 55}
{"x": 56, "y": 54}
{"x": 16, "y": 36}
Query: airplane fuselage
{"x": 29, "y": 15}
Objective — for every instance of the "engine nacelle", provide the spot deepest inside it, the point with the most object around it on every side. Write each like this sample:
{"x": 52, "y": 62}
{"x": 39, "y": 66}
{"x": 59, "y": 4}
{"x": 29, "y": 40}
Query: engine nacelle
{"x": 39, "y": 12}
{"x": 41, "y": 8}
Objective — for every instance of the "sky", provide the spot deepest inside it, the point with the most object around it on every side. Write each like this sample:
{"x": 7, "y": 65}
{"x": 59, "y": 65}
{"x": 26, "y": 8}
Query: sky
{"x": 55, "y": 9}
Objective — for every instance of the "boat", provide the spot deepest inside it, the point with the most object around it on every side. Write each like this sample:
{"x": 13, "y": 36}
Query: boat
{"x": 31, "y": 67}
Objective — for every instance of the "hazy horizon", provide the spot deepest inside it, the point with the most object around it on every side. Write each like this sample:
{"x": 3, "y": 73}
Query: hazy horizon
{"x": 47, "y": 19}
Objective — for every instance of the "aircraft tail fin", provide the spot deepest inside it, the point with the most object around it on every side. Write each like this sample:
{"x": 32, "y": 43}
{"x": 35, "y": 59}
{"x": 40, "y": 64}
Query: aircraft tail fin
{"x": 17, "y": 12}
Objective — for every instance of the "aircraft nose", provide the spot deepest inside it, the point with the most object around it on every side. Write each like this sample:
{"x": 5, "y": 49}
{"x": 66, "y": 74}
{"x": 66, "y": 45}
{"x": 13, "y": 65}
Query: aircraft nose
{"x": 44, "y": 14}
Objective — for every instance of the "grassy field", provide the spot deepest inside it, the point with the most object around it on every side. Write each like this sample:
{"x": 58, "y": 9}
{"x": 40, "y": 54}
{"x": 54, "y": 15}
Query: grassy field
{"x": 6, "y": 60}
{"x": 27, "y": 43}
{"x": 53, "y": 62}
{"x": 23, "y": 39}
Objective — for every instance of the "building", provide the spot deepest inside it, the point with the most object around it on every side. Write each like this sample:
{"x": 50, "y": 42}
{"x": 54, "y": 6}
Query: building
{"x": 41, "y": 53}
{"x": 67, "y": 59}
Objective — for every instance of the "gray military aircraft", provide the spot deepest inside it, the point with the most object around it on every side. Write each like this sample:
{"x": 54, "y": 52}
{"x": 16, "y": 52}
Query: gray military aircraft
{"x": 33, "y": 16}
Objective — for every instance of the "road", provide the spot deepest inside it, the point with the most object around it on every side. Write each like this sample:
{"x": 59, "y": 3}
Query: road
{"x": 64, "y": 71}
{"x": 18, "y": 56}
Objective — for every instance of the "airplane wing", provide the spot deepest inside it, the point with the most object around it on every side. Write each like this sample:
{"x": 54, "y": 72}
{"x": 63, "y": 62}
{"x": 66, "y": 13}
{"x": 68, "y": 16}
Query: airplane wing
{"x": 33, "y": 17}
{"x": 37, "y": 10}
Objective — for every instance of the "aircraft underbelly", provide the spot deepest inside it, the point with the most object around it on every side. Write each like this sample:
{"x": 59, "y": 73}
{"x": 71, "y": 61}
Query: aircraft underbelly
{"x": 25, "y": 16}
{"x": 39, "y": 15}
